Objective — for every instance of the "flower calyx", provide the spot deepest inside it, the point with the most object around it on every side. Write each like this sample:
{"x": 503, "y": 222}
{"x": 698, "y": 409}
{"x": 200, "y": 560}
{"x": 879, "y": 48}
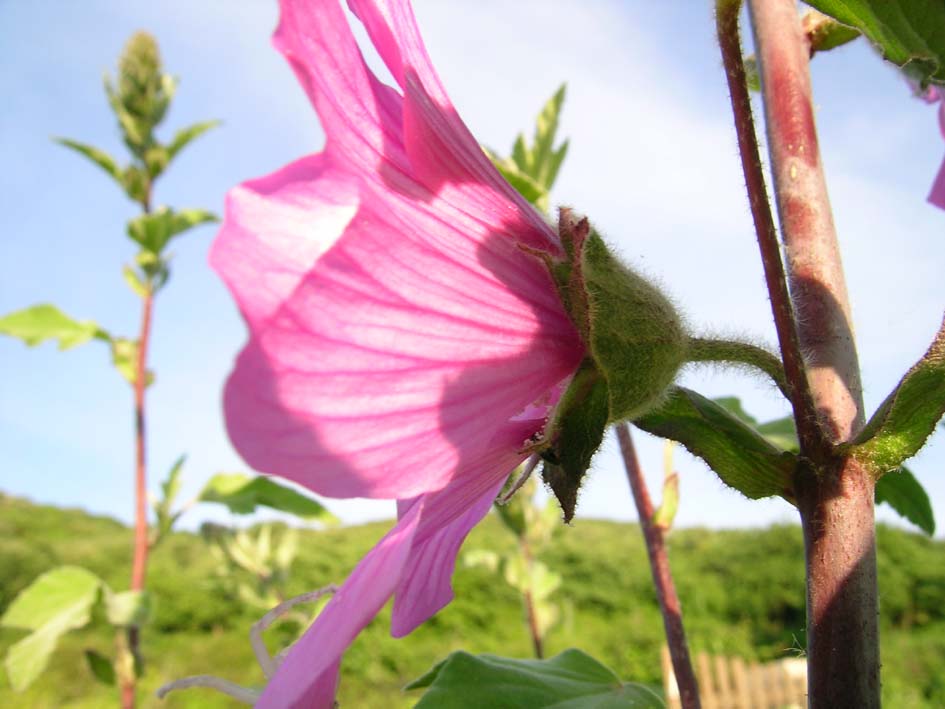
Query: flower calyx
{"x": 635, "y": 344}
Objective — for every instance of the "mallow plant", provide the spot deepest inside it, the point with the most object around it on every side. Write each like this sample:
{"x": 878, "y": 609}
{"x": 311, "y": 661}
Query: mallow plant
{"x": 418, "y": 329}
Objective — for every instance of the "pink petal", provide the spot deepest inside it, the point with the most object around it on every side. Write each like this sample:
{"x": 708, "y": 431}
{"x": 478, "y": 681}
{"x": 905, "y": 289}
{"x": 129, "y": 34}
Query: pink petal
{"x": 937, "y": 195}
{"x": 308, "y": 675}
{"x": 447, "y": 518}
{"x": 276, "y": 228}
{"x": 401, "y": 349}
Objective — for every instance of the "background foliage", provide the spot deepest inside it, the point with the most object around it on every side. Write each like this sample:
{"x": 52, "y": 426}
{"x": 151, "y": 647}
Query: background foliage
{"x": 742, "y": 594}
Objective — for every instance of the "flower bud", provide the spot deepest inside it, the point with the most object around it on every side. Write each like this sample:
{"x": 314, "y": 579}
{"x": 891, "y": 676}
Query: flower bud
{"x": 635, "y": 345}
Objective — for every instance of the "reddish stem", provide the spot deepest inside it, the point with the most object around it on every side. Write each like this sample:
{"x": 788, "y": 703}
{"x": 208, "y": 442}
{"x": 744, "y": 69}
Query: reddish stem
{"x": 836, "y": 500}
{"x": 662, "y": 577}
{"x": 139, "y": 565}
{"x": 834, "y": 493}
{"x": 800, "y": 395}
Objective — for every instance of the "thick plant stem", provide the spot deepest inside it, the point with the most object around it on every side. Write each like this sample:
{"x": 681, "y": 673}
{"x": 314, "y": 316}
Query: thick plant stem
{"x": 834, "y": 493}
{"x": 139, "y": 565}
{"x": 836, "y": 498}
{"x": 662, "y": 577}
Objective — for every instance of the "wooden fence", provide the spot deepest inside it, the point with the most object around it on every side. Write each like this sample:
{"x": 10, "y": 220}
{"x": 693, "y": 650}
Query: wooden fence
{"x": 731, "y": 683}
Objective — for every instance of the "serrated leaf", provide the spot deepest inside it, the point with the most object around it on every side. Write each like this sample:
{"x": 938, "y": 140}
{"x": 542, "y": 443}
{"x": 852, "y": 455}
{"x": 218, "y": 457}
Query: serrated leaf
{"x": 242, "y": 494}
{"x": 571, "y": 680}
{"x": 909, "y": 33}
{"x": 901, "y": 491}
{"x": 907, "y": 417}
{"x": 738, "y": 454}
{"x": 43, "y": 322}
{"x": 153, "y": 231}
{"x": 100, "y": 667}
{"x": 55, "y": 603}
{"x": 127, "y": 608}
{"x": 96, "y": 155}
{"x": 546, "y": 128}
{"x": 185, "y": 136}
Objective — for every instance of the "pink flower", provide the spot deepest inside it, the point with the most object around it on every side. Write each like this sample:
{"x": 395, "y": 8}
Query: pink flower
{"x": 937, "y": 195}
{"x": 405, "y": 340}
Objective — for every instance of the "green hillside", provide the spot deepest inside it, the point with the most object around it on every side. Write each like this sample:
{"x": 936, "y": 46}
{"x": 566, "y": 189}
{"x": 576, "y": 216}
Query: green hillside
{"x": 742, "y": 594}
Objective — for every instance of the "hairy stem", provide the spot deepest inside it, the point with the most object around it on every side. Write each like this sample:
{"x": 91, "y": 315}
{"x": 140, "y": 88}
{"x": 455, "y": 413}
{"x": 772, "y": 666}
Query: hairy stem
{"x": 800, "y": 395}
{"x": 735, "y": 352}
{"x": 836, "y": 498}
{"x": 662, "y": 577}
{"x": 139, "y": 564}
{"x": 834, "y": 493}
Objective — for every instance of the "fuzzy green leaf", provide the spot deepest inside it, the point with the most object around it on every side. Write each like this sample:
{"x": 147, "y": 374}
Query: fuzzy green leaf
{"x": 909, "y": 33}
{"x": 567, "y": 681}
{"x": 36, "y": 324}
{"x": 738, "y": 454}
{"x": 185, "y": 136}
{"x": 55, "y": 603}
{"x": 97, "y": 156}
{"x": 242, "y": 494}
{"x": 905, "y": 420}
{"x": 901, "y": 491}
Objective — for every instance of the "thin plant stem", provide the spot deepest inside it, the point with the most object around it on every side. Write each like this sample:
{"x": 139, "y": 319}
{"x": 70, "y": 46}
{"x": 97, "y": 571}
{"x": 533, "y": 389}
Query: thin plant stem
{"x": 531, "y": 613}
{"x": 139, "y": 565}
{"x": 662, "y": 576}
{"x": 802, "y": 401}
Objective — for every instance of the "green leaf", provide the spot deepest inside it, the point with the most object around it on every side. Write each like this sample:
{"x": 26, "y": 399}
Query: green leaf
{"x": 242, "y": 494}
{"x": 100, "y": 667}
{"x": 571, "y": 680}
{"x": 58, "y": 601}
{"x": 825, "y": 33}
{"x": 909, "y": 415}
{"x": 738, "y": 454}
{"x": 65, "y": 590}
{"x": 125, "y": 360}
{"x": 134, "y": 281}
{"x": 99, "y": 157}
{"x": 153, "y": 231}
{"x": 43, "y": 322}
{"x": 185, "y": 136}
{"x": 544, "y": 162}
{"x": 909, "y": 33}
{"x": 665, "y": 514}
{"x": 901, "y": 491}
{"x": 524, "y": 184}
{"x": 482, "y": 558}
{"x": 127, "y": 608}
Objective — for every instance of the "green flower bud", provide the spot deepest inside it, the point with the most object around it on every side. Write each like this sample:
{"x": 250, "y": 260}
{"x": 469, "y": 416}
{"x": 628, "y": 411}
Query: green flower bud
{"x": 635, "y": 344}
{"x": 143, "y": 92}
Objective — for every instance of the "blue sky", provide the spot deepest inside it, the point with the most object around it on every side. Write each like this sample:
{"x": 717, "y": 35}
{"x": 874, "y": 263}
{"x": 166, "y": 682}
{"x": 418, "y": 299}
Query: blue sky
{"x": 653, "y": 162}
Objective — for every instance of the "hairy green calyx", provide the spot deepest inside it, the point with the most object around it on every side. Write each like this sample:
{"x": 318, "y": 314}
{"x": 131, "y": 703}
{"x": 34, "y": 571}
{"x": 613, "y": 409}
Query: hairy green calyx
{"x": 635, "y": 345}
